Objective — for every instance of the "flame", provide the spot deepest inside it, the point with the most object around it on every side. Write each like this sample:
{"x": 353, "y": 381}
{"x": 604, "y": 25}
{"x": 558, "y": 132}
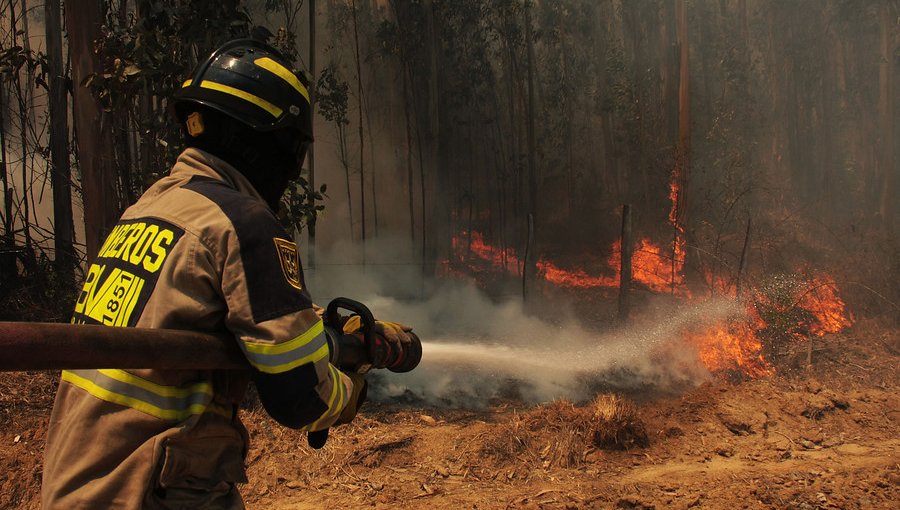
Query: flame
{"x": 576, "y": 278}
{"x": 655, "y": 269}
{"x": 731, "y": 346}
{"x": 827, "y": 308}
{"x": 474, "y": 243}
{"x": 725, "y": 346}
{"x": 651, "y": 265}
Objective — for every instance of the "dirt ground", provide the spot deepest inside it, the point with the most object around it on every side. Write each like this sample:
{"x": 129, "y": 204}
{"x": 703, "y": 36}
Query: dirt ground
{"x": 807, "y": 438}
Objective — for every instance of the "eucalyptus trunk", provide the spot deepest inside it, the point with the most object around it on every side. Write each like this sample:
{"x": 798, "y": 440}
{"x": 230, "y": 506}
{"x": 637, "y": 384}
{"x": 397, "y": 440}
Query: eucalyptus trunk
{"x": 310, "y": 154}
{"x": 63, "y": 225}
{"x": 94, "y": 141}
{"x": 362, "y": 173}
{"x": 887, "y": 203}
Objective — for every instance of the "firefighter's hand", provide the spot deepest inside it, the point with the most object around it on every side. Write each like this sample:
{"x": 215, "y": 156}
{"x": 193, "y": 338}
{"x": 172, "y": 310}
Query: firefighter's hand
{"x": 356, "y": 398}
{"x": 318, "y": 438}
{"x": 394, "y": 332}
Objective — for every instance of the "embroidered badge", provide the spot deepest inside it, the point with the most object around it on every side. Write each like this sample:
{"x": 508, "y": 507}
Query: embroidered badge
{"x": 290, "y": 261}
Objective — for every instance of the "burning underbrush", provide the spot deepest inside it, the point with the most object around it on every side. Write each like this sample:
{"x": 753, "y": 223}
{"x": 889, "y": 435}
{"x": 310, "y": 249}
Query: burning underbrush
{"x": 562, "y": 434}
{"x": 770, "y": 317}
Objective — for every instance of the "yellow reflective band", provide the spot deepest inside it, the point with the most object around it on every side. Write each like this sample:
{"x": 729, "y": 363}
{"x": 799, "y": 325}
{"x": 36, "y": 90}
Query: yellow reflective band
{"x": 282, "y": 72}
{"x": 246, "y": 96}
{"x": 300, "y": 341}
{"x": 159, "y": 389}
{"x": 342, "y": 392}
{"x": 186, "y": 83}
{"x": 320, "y": 353}
{"x": 139, "y": 405}
{"x": 337, "y": 392}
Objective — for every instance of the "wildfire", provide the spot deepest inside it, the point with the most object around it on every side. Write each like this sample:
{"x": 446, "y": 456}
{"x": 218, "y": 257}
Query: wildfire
{"x": 576, "y": 278}
{"x": 731, "y": 346}
{"x": 827, "y": 309}
{"x": 651, "y": 265}
{"x": 473, "y": 243}
{"x": 726, "y": 346}
{"x": 658, "y": 270}
{"x": 734, "y": 345}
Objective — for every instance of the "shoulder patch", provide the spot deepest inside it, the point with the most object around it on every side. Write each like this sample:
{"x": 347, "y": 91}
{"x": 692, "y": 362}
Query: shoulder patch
{"x": 124, "y": 274}
{"x": 272, "y": 271}
{"x": 290, "y": 261}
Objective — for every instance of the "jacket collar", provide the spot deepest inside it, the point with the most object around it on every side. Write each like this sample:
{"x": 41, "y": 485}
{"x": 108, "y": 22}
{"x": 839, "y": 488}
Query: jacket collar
{"x": 193, "y": 162}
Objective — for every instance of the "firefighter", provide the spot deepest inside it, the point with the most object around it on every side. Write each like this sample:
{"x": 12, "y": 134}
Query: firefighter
{"x": 202, "y": 250}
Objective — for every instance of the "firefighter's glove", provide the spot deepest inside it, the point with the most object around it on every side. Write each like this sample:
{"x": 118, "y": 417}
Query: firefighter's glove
{"x": 393, "y": 332}
{"x": 355, "y": 399}
{"x": 318, "y": 438}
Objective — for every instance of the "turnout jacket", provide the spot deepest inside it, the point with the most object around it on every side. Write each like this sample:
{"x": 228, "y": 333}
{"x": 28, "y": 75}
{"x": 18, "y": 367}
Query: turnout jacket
{"x": 200, "y": 250}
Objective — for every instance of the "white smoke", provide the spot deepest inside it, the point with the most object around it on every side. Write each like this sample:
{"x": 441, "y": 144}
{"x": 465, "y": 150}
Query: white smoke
{"x": 476, "y": 349}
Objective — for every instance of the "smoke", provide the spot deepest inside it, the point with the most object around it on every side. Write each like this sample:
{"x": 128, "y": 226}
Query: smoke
{"x": 476, "y": 349}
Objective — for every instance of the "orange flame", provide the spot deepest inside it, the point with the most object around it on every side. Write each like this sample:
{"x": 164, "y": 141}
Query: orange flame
{"x": 576, "y": 278}
{"x": 731, "y": 346}
{"x": 655, "y": 269}
{"x": 725, "y": 346}
{"x": 828, "y": 310}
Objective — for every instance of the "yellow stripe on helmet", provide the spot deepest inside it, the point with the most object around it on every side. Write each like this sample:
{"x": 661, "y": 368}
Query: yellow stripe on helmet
{"x": 186, "y": 83}
{"x": 282, "y": 72}
{"x": 246, "y": 96}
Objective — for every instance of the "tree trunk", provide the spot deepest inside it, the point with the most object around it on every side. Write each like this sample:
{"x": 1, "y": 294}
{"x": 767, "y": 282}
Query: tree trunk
{"x": 404, "y": 70}
{"x": 342, "y": 145}
{"x": 626, "y": 251}
{"x": 682, "y": 151}
{"x": 63, "y": 225}
{"x": 7, "y": 238}
{"x": 440, "y": 240}
{"x": 94, "y": 142}
{"x": 887, "y": 203}
{"x": 310, "y": 154}
{"x": 22, "y": 97}
{"x": 678, "y": 215}
{"x": 362, "y": 173}
{"x": 530, "y": 269}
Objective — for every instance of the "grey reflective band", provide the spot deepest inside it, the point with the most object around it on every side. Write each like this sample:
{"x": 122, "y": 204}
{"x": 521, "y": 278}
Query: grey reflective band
{"x": 160, "y": 401}
{"x": 309, "y": 347}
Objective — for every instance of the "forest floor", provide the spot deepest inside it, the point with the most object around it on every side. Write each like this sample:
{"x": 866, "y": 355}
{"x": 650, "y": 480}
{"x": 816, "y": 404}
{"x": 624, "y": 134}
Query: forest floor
{"x": 807, "y": 438}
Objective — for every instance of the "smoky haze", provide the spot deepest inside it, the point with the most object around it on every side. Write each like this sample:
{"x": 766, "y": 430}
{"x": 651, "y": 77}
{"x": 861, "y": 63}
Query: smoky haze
{"x": 477, "y": 348}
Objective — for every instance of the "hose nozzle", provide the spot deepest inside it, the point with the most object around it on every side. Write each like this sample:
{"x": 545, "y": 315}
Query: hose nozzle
{"x": 361, "y": 351}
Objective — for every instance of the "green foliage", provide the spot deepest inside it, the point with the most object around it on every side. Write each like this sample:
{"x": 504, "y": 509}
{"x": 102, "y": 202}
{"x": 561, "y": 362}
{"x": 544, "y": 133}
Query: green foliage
{"x": 146, "y": 56}
{"x": 13, "y": 59}
{"x": 296, "y": 211}
{"x": 332, "y": 94}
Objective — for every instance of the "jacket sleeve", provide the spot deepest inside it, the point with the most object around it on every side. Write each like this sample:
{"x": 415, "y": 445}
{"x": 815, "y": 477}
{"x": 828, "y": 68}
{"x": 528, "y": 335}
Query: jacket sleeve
{"x": 271, "y": 315}
{"x": 297, "y": 385}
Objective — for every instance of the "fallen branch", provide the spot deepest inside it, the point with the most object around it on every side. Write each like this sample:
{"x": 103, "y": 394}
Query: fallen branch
{"x": 786, "y": 437}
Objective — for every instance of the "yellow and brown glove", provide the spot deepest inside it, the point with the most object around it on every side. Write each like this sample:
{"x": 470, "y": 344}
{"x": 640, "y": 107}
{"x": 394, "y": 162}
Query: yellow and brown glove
{"x": 357, "y": 398}
{"x": 394, "y": 332}
{"x": 317, "y": 439}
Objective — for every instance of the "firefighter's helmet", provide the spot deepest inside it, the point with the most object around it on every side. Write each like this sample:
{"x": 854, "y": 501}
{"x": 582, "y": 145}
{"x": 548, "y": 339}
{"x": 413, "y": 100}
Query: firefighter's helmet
{"x": 252, "y": 83}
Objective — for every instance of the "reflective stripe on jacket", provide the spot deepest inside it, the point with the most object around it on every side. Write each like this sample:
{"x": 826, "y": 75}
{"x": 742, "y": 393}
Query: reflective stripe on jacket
{"x": 199, "y": 250}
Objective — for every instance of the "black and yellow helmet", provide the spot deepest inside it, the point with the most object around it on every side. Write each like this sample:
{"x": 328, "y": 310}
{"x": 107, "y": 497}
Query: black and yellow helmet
{"x": 252, "y": 83}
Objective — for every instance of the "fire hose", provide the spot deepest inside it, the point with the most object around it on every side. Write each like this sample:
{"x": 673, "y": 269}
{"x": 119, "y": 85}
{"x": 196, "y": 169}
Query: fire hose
{"x": 49, "y": 346}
